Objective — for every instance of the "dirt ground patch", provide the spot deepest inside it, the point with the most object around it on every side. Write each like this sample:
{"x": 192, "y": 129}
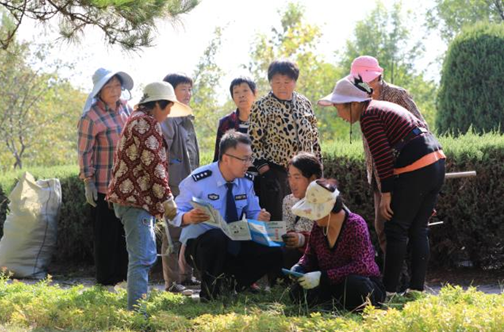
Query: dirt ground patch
{"x": 486, "y": 281}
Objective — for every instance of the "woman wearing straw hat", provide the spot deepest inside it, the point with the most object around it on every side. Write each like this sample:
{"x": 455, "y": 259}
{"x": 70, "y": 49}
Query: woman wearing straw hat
{"x": 101, "y": 123}
{"x": 338, "y": 264}
{"x": 411, "y": 167}
{"x": 139, "y": 187}
{"x": 368, "y": 68}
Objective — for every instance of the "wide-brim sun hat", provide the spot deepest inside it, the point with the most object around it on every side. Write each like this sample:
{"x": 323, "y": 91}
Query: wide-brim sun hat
{"x": 317, "y": 203}
{"x": 344, "y": 91}
{"x": 100, "y": 77}
{"x": 366, "y": 67}
{"x": 164, "y": 91}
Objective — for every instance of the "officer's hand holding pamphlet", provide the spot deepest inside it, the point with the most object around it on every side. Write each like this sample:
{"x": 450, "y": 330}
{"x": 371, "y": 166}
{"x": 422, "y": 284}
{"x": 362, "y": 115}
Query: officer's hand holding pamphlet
{"x": 265, "y": 233}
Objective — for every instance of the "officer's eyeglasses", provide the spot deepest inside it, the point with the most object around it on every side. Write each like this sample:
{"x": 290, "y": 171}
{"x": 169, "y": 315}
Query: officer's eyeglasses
{"x": 243, "y": 160}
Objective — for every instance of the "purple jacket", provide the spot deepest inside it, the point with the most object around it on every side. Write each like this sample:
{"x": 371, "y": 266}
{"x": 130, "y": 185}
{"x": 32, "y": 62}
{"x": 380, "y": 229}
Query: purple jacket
{"x": 352, "y": 254}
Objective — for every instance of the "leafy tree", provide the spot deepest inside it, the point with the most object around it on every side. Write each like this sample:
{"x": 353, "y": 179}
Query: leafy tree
{"x": 385, "y": 35}
{"x": 38, "y": 110}
{"x": 297, "y": 40}
{"x": 449, "y": 16}
{"x": 205, "y": 104}
{"x": 128, "y": 23}
{"x": 472, "y": 90}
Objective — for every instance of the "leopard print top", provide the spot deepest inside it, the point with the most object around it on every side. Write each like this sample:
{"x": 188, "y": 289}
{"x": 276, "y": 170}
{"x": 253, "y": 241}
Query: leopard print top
{"x": 279, "y": 129}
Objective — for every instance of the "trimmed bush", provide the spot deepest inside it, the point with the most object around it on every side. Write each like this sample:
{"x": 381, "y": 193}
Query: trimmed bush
{"x": 472, "y": 90}
{"x": 472, "y": 208}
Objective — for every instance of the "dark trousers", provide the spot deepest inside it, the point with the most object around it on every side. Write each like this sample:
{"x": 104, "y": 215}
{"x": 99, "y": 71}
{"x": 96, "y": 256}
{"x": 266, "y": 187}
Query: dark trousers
{"x": 272, "y": 192}
{"x": 413, "y": 199}
{"x": 111, "y": 257}
{"x": 349, "y": 294}
{"x": 209, "y": 255}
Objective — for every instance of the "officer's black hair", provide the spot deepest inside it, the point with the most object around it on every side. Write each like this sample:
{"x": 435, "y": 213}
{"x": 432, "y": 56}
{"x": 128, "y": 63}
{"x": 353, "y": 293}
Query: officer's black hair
{"x": 230, "y": 140}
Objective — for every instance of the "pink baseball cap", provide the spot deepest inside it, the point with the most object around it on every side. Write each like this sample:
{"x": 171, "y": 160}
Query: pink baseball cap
{"x": 367, "y": 67}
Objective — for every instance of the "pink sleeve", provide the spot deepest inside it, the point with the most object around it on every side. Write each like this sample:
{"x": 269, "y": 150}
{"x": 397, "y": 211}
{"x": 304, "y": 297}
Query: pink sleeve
{"x": 86, "y": 143}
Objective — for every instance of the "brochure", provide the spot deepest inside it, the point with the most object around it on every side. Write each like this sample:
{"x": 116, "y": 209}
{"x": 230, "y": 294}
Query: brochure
{"x": 266, "y": 233}
{"x": 292, "y": 273}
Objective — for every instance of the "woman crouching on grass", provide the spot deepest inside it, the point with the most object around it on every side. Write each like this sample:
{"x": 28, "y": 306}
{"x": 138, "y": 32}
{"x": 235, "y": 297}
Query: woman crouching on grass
{"x": 139, "y": 188}
{"x": 338, "y": 263}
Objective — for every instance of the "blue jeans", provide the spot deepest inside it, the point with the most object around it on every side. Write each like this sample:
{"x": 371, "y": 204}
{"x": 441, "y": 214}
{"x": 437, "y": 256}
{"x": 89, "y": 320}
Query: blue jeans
{"x": 141, "y": 246}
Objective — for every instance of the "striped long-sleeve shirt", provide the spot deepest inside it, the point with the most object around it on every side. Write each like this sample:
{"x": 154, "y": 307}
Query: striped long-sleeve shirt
{"x": 384, "y": 125}
{"x": 99, "y": 131}
{"x": 396, "y": 95}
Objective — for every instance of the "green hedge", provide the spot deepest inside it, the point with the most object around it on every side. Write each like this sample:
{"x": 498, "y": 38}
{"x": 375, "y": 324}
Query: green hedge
{"x": 472, "y": 209}
{"x": 471, "y": 93}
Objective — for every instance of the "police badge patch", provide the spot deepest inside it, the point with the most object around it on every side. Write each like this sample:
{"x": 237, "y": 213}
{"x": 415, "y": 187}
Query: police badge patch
{"x": 240, "y": 197}
{"x": 213, "y": 197}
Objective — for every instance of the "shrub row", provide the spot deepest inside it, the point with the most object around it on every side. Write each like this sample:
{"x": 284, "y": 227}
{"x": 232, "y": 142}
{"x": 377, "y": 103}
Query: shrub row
{"x": 472, "y": 208}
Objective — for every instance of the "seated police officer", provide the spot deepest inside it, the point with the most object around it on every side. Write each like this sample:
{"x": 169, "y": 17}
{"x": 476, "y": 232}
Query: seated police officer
{"x": 228, "y": 187}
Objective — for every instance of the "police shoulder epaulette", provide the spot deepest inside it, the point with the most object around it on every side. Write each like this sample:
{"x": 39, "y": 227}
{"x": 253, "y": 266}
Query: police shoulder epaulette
{"x": 249, "y": 176}
{"x": 201, "y": 175}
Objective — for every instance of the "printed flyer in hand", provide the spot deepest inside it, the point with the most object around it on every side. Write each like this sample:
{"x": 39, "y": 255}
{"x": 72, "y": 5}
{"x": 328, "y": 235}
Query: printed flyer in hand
{"x": 268, "y": 233}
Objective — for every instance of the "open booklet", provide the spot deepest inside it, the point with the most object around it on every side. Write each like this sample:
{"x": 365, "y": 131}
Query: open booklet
{"x": 266, "y": 233}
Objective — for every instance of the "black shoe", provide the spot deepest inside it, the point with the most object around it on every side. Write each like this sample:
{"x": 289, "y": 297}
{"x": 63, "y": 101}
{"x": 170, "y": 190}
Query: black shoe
{"x": 191, "y": 282}
{"x": 180, "y": 289}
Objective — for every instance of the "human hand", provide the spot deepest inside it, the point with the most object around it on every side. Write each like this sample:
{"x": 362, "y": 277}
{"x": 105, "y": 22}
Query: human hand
{"x": 195, "y": 216}
{"x": 90, "y": 192}
{"x": 385, "y": 209}
{"x": 310, "y": 280}
{"x": 264, "y": 215}
{"x": 293, "y": 239}
{"x": 263, "y": 169}
{"x": 170, "y": 208}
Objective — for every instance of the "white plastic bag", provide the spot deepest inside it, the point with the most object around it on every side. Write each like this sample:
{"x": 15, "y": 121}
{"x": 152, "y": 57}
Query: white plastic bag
{"x": 30, "y": 228}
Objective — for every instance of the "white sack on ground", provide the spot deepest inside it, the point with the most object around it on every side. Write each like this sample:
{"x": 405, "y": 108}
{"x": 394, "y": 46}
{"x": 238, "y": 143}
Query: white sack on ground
{"x": 30, "y": 228}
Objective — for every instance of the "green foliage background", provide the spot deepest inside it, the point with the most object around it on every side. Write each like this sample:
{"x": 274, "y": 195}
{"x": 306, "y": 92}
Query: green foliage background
{"x": 472, "y": 85}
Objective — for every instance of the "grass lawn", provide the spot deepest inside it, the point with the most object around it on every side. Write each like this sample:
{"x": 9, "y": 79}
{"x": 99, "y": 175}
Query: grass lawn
{"x": 46, "y": 307}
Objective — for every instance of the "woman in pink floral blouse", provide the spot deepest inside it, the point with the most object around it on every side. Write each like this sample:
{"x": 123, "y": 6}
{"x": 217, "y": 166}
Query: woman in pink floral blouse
{"x": 139, "y": 187}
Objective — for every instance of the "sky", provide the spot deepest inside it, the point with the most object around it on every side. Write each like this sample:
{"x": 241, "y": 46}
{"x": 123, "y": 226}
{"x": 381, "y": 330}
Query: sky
{"x": 179, "y": 47}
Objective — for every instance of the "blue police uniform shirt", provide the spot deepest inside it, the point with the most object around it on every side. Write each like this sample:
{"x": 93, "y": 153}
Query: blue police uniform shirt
{"x": 207, "y": 183}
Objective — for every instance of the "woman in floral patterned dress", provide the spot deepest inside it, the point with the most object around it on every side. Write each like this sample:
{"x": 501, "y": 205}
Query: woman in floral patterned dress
{"x": 139, "y": 188}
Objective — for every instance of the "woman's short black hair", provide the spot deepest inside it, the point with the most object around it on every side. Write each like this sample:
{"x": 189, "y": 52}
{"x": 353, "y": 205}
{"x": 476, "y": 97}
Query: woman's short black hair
{"x": 308, "y": 164}
{"x": 283, "y": 67}
{"x": 332, "y": 185}
{"x": 240, "y": 80}
{"x": 151, "y": 104}
{"x": 176, "y": 79}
